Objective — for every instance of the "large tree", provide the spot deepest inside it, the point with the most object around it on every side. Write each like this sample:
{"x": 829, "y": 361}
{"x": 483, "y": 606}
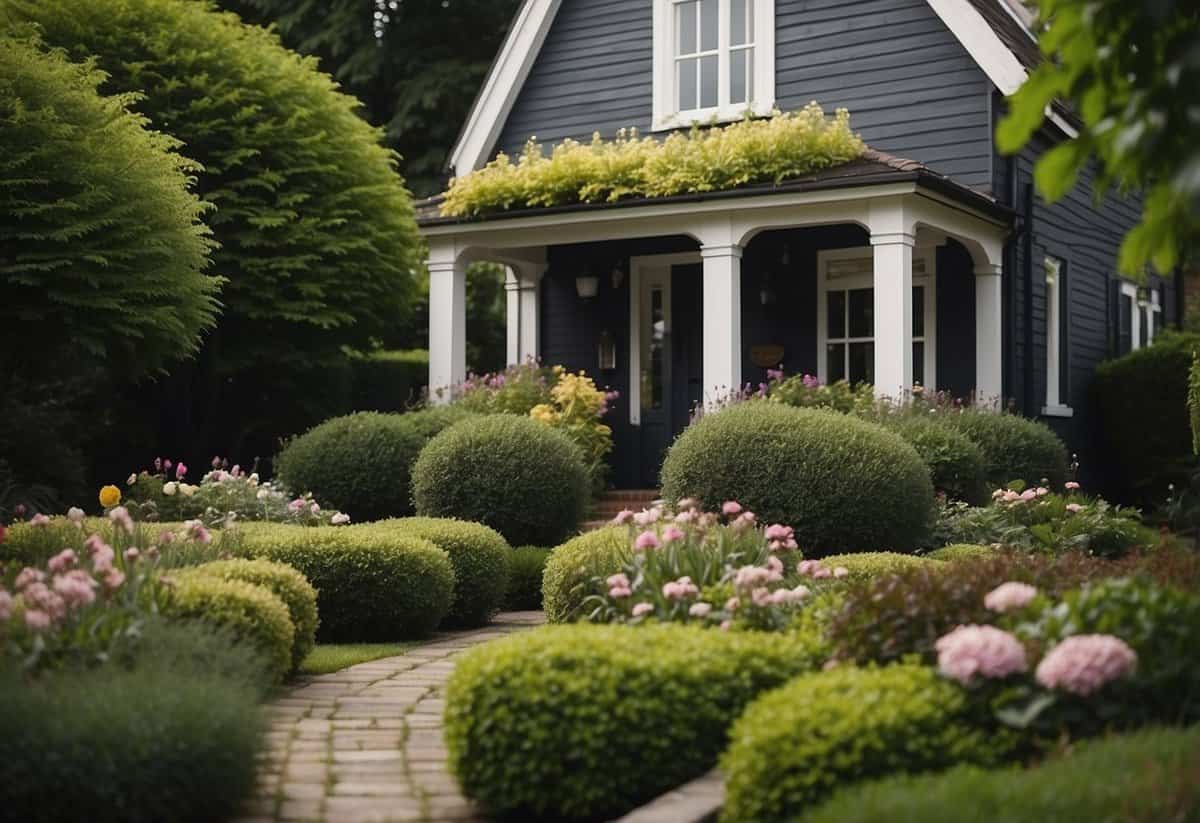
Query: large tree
{"x": 1131, "y": 72}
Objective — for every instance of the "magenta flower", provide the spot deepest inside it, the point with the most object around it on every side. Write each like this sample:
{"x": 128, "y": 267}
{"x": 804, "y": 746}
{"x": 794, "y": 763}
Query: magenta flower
{"x": 646, "y": 540}
{"x": 1085, "y": 663}
{"x": 180, "y": 471}
{"x": 979, "y": 650}
{"x": 1009, "y": 596}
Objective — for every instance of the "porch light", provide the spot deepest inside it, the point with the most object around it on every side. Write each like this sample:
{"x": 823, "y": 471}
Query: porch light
{"x": 587, "y": 286}
{"x": 607, "y": 350}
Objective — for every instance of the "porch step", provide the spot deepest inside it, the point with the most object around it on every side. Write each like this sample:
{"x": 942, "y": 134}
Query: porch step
{"x": 611, "y": 503}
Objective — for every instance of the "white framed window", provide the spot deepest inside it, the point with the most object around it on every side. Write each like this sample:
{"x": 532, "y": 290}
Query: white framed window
{"x": 1056, "y": 319}
{"x": 846, "y": 316}
{"x": 1139, "y": 317}
{"x": 713, "y": 60}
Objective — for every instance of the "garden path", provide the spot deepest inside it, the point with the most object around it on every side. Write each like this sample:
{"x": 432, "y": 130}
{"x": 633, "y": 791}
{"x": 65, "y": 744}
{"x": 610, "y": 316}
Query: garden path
{"x": 364, "y": 745}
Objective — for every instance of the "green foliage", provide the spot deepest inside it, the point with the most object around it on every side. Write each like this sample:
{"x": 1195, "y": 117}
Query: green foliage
{"x": 524, "y": 479}
{"x": 252, "y": 613}
{"x": 869, "y": 565}
{"x": 955, "y": 462}
{"x": 1013, "y": 448}
{"x": 173, "y": 737}
{"x": 1147, "y": 384}
{"x": 798, "y": 744}
{"x": 388, "y": 380}
{"x": 1129, "y": 74}
{"x": 372, "y": 585}
{"x": 1138, "y": 778}
{"x": 361, "y": 463}
{"x": 566, "y": 582}
{"x": 285, "y": 583}
{"x": 526, "y": 565}
{"x": 479, "y": 556}
{"x": 714, "y": 159}
{"x": 843, "y": 484}
{"x": 961, "y": 551}
{"x": 806, "y": 392}
{"x": 516, "y": 390}
{"x": 586, "y": 722}
{"x": 329, "y": 658}
{"x": 99, "y": 232}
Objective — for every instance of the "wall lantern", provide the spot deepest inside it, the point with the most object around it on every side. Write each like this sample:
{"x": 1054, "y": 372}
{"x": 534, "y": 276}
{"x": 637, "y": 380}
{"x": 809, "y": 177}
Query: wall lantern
{"x": 587, "y": 286}
{"x": 618, "y": 275}
{"x": 607, "y": 350}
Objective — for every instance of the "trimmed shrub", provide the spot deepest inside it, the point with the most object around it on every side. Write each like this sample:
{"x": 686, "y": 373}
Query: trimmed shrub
{"x": 388, "y": 380}
{"x": 961, "y": 551}
{"x": 479, "y": 556}
{"x": 1149, "y": 384}
{"x": 251, "y": 613}
{"x": 526, "y": 565}
{"x": 796, "y": 745}
{"x": 29, "y": 545}
{"x": 523, "y": 478}
{"x": 586, "y": 722}
{"x": 285, "y": 583}
{"x": 869, "y": 565}
{"x": 174, "y": 738}
{"x": 843, "y": 484}
{"x": 955, "y": 462}
{"x": 572, "y": 565}
{"x": 360, "y": 463}
{"x": 1013, "y": 448}
{"x": 372, "y": 585}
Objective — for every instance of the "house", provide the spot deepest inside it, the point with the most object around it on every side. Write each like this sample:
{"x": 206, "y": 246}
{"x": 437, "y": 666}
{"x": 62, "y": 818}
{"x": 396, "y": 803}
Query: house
{"x": 929, "y": 261}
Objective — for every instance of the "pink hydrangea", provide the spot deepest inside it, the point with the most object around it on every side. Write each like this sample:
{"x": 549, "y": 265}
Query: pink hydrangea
{"x": 774, "y": 569}
{"x": 646, "y": 540}
{"x": 62, "y": 561}
{"x": 27, "y": 576}
{"x": 761, "y": 597}
{"x": 618, "y": 586}
{"x": 1085, "y": 663}
{"x": 1009, "y": 596}
{"x": 76, "y": 588}
{"x": 781, "y": 538}
{"x": 671, "y": 534}
{"x": 1071, "y": 486}
{"x": 979, "y": 650}
{"x": 748, "y": 577}
{"x": 642, "y": 609}
{"x": 731, "y": 508}
{"x": 114, "y": 578}
{"x": 37, "y": 621}
{"x": 680, "y": 589}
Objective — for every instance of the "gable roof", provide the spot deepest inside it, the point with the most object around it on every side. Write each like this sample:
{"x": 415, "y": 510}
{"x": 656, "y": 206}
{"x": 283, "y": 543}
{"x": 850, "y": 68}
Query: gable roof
{"x": 993, "y": 32}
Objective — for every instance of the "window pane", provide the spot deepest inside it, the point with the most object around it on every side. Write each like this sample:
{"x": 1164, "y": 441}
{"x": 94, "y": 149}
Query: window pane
{"x": 737, "y": 77}
{"x": 918, "y": 364}
{"x": 658, "y": 329}
{"x": 1125, "y": 325}
{"x": 1144, "y": 328}
{"x": 687, "y": 84}
{"x": 862, "y": 312}
{"x": 835, "y": 360}
{"x": 685, "y": 27}
{"x": 918, "y": 311}
{"x": 737, "y": 22}
{"x": 708, "y": 81}
{"x": 835, "y": 303}
{"x": 708, "y": 25}
{"x": 862, "y": 363}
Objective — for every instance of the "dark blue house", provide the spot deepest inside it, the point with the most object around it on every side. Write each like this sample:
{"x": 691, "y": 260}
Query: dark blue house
{"x": 930, "y": 261}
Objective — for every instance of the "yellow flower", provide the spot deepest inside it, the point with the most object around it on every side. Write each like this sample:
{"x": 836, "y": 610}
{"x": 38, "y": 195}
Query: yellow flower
{"x": 110, "y": 496}
{"x": 544, "y": 414}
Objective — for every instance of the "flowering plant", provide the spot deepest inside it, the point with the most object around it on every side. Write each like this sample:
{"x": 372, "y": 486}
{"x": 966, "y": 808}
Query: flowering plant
{"x": 577, "y": 408}
{"x": 516, "y": 390}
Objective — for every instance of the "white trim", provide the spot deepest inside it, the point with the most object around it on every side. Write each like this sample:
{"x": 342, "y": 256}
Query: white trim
{"x": 1056, "y": 316}
{"x": 636, "y": 265}
{"x": 1057, "y": 411}
{"x": 1020, "y": 12}
{"x": 502, "y": 85}
{"x": 983, "y": 44}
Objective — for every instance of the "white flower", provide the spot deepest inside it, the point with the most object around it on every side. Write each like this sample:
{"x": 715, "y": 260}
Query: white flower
{"x": 253, "y": 478}
{"x": 169, "y": 489}
{"x": 263, "y": 494}
{"x": 132, "y": 479}
{"x": 187, "y": 490}
{"x": 340, "y": 519}
{"x": 75, "y": 514}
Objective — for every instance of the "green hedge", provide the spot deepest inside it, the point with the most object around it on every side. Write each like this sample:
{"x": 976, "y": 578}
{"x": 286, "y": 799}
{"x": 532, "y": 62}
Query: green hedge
{"x": 1141, "y": 403}
{"x": 372, "y": 586}
{"x": 284, "y": 582}
{"x": 956, "y": 464}
{"x": 388, "y": 380}
{"x": 961, "y": 551}
{"x": 795, "y": 746}
{"x": 523, "y": 478}
{"x": 843, "y": 484}
{"x": 868, "y": 565}
{"x": 573, "y": 564}
{"x": 1139, "y": 778}
{"x": 1013, "y": 448}
{"x": 587, "y": 722}
{"x": 361, "y": 463}
{"x": 526, "y": 566}
{"x": 479, "y": 556}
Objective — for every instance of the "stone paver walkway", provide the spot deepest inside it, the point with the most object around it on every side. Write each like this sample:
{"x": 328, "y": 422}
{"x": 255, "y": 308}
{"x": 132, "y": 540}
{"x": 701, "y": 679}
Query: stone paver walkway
{"x": 364, "y": 745}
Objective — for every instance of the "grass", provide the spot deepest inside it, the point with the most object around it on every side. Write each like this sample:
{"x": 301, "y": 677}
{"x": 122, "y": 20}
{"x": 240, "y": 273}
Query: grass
{"x": 333, "y": 657}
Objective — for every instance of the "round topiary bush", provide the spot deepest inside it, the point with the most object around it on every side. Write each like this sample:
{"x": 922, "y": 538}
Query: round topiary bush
{"x": 284, "y": 582}
{"x": 1013, "y": 448}
{"x": 372, "y": 585}
{"x": 479, "y": 556}
{"x": 574, "y": 563}
{"x": 868, "y": 565}
{"x": 955, "y": 462}
{"x": 961, "y": 551}
{"x": 843, "y": 484}
{"x": 523, "y": 478}
{"x": 526, "y": 565}
{"x": 360, "y": 463}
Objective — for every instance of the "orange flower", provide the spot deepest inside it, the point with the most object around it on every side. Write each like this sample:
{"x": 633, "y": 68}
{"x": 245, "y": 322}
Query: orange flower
{"x": 110, "y": 496}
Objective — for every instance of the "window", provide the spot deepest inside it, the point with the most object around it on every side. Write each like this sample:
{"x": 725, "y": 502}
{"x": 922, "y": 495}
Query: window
{"x": 1139, "y": 317}
{"x": 846, "y": 317}
{"x": 1056, "y": 321}
{"x": 713, "y": 60}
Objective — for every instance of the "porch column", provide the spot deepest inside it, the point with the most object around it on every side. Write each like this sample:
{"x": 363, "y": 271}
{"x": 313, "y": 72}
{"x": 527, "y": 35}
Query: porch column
{"x": 893, "y": 313}
{"x": 447, "y": 325}
{"x": 989, "y": 356}
{"x": 512, "y": 326}
{"x": 722, "y": 319}
{"x": 530, "y": 279}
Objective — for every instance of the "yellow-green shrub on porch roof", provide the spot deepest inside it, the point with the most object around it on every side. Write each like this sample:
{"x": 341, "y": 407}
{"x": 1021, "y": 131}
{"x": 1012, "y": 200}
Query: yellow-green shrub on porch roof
{"x": 702, "y": 160}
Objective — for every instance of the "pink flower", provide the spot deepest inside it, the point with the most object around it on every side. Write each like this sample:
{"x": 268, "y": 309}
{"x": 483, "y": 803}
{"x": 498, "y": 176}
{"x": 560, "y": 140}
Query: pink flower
{"x": 619, "y": 586}
{"x": 731, "y": 508}
{"x": 28, "y": 576}
{"x": 700, "y": 609}
{"x": 648, "y": 516}
{"x": 6, "y": 601}
{"x": 1085, "y": 663}
{"x": 748, "y": 577}
{"x": 1074, "y": 508}
{"x": 102, "y": 558}
{"x": 671, "y": 534}
{"x": 62, "y": 561}
{"x": 37, "y": 620}
{"x": 841, "y": 571}
{"x": 687, "y": 516}
{"x": 1042, "y": 491}
{"x": 76, "y": 588}
{"x": 114, "y": 578}
{"x": 166, "y": 537}
{"x": 132, "y": 554}
{"x": 732, "y": 604}
{"x": 807, "y": 567}
{"x": 687, "y": 503}
{"x": 75, "y": 515}
{"x": 761, "y": 597}
{"x": 726, "y": 625}
{"x": 646, "y": 540}
{"x": 297, "y": 504}
{"x": 979, "y": 650}
{"x": 1071, "y": 486}
{"x": 340, "y": 519}
{"x": 623, "y": 517}
{"x": 314, "y": 508}
{"x": 120, "y": 517}
{"x": 778, "y": 532}
{"x": 774, "y": 569}
{"x": 1028, "y": 494}
{"x": 180, "y": 471}
{"x": 39, "y": 520}
{"x": 1009, "y": 596}
{"x": 680, "y": 589}
{"x": 39, "y": 597}
{"x": 642, "y": 609}
{"x": 820, "y": 573}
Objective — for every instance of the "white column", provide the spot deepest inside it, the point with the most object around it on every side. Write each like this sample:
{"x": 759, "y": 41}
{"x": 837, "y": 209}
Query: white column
{"x": 530, "y": 279}
{"x": 989, "y": 355}
{"x": 447, "y": 326}
{"x": 512, "y": 297}
{"x": 893, "y": 313}
{"x": 722, "y": 319}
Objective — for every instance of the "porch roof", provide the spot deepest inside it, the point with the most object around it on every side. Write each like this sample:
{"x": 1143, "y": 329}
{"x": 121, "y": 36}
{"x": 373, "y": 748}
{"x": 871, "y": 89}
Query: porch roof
{"x": 874, "y": 168}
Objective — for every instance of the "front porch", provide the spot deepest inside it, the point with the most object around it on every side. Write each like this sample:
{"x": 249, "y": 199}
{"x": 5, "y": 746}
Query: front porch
{"x": 882, "y": 273}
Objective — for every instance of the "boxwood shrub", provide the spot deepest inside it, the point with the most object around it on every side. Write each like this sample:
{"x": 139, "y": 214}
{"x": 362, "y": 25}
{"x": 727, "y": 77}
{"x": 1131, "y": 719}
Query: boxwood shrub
{"x": 842, "y": 483}
{"x": 1139, "y": 778}
{"x": 868, "y": 565}
{"x": 961, "y": 551}
{"x": 586, "y": 722}
{"x": 361, "y": 463}
{"x": 284, "y": 582}
{"x": 372, "y": 585}
{"x": 795, "y": 746}
{"x": 1013, "y": 448}
{"x": 479, "y": 556}
{"x": 956, "y": 465}
{"x": 526, "y": 565}
{"x": 573, "y": 564}
{"x": 523, "y": 478}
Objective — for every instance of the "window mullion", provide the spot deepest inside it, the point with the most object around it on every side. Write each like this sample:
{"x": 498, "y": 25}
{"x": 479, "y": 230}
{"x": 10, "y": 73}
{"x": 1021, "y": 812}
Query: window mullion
{"x": 724, "y": 9}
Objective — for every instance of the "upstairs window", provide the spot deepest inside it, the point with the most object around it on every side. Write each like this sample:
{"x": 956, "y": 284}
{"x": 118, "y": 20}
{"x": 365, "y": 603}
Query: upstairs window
{"x": 1056, "y": 334}
{"x": 713, "y": 60}
{"x": 1139, "y": 317}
